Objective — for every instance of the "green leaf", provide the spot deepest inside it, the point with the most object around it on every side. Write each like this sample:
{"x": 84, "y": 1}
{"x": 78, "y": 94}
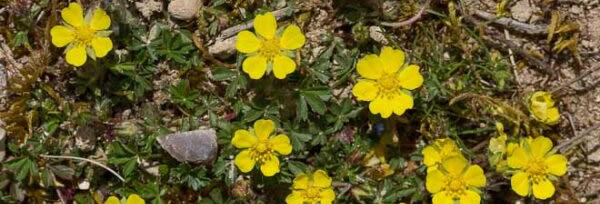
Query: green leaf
{"x": 221, "y": 74}
{"x": 316, "y": 104}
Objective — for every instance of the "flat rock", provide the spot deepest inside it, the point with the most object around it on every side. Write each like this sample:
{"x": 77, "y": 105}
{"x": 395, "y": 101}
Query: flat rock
{"x": 198, "y": 146}
{"x": 184, "y": 9}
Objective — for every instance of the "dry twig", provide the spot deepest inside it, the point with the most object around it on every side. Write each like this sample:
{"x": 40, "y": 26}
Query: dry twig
{"x": 566, "y": 145}
{"x": 581, "y": 76}
{"x": 411, "y": 20}
{"x": 536, "y": 62}
{"x": 512, "y": 24}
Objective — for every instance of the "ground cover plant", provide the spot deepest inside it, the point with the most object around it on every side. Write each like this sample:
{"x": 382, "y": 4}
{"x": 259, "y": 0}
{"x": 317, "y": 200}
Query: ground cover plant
{"x": 299, "y": 101}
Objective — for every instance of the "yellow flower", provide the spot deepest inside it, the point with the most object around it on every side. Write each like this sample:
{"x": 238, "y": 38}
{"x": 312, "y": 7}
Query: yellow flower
{"x": 132, "y": 199}
{"x": 269, "y": 49}
{"x": 385, "y": 82}
{"x": 312, "y": 189}
{"x": 498, "y": 144}
{"x": 80, "y": 34}
{"x": 542, "y": 108}
{"x": 440, "y": 150}
{"x": 535, "y": 164}
{"x": 260, "y": 147}
{"x": 456, "y": 180}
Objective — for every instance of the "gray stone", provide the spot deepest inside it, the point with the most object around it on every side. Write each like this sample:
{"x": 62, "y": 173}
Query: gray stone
{"x": 198, "y": 146}
{"x": 184, "y": 9}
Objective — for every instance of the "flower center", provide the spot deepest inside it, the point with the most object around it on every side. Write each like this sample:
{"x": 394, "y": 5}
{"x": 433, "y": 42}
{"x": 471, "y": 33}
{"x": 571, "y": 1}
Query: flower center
{"x": 270, "y": 48}
{"x": 388, "y": 85}
{"x": 455, "y": 187}
{"x": 84, "y": 35}
{"x": 312, "y": 194}
{"x": 261, "y": 152}
{"x": 536, "y": 169}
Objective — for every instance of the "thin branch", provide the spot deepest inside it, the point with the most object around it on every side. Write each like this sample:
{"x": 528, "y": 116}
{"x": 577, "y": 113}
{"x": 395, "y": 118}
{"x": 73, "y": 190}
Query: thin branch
{"x": 411, "y": 20}
{"x": 87, "y": 160}
{"x": 510, "y": 23}
{"x": 566, "y": 145}
{"x": 537, "y": 63}
{"x": 581, "y": 76}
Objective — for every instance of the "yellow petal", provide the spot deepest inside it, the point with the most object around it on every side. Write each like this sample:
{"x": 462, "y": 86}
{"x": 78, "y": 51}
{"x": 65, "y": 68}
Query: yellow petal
{"x": 552, "y": 116}
{"x": 410, "y": 78}
{"x": 100, "y": 20}
{"x": 292, "y": 38}
{"x": 442, "y": 198}
{"x": 135, "y": 199}
{"x": 112, "y": 200}
{"x": 365, "y": 90}
{"x": 321, "y": 179}
{"x": 520, "y": 183}
{"x": 244, "y": 161}
{"x": 101, "y": 46}
{"x": 282, "y": 66}
{"x": 455, "y": 165}
{"x": 61, "y": 36}
{"x": 544, "y": 189}
{"x": 392, "y": 59}
{"x": 430, "y": 156}
{"x": 540, "y": 146}
{"x": 518, "y": 159}
{"x": 370, "y": 67}
{"x": 270, "y": 167}
{"x": 435, "y": 181}
{"x": 77, "y": 56}
{"x": 264, "y": 128}
{"x": 295, "y": 198}
{"x": 470, "y": 197}
{"x": 265, "y": 25}
{"x": 381, "y": 105}
{"x": 243, "y": 139}
{"x": 557, "y": 164}
{"x": 544, "y": 97}
{"x": 255, "y": 66}
{"x": 401, "y": 102}
{"x": 474, "y": 176}
{"x": 327, "y": 196}
{"x": 301, "y": 181}
{"x": 247, "y": 42}
{"x": 281, "y": 144}
{"x": 73, "y": 15}
{"x": 510, "y": 148}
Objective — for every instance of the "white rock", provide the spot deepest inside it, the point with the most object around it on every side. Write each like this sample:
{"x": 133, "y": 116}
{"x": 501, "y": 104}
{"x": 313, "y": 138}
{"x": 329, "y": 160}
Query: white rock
{"x": 376, "y": 34}
{"x": 223, "y": 48}
{"x": 184, "y": 9}
{"x": 84, "y": 185}
{"x": 147, "y": 7}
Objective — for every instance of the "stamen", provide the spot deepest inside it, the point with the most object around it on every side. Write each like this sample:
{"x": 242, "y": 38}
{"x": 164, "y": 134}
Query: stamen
{"x": 536, "y": 169}
{"x": 270, "y": 48}
{"x": 84, "y": 35}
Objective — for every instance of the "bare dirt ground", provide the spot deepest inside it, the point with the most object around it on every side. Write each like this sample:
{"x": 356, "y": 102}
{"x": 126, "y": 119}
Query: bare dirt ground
{"x": 580, "y": 101}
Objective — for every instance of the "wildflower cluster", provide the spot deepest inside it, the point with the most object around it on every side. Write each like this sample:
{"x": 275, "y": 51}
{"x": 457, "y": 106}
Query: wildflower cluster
{"x": 265, "y": 144}
{"x": 450, "y": 177}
